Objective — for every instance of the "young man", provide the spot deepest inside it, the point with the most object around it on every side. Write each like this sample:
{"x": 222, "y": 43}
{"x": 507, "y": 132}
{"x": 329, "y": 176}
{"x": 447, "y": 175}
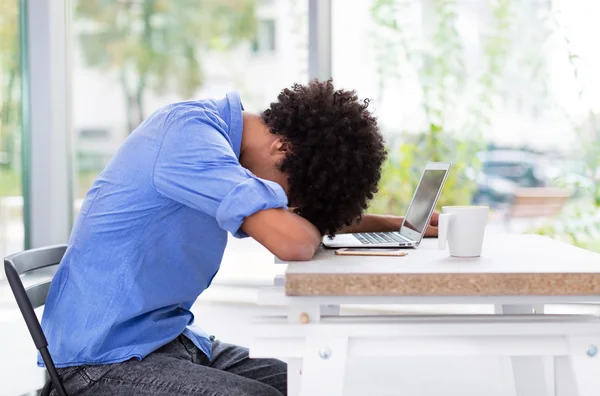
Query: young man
{"x": 152, "y": 230}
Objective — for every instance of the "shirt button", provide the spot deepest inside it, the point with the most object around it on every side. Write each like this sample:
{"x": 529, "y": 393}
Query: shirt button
{"x": 212, "y": 337}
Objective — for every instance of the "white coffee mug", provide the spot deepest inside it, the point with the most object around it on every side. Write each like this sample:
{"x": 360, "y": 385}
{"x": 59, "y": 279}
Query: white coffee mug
{"x": 463, "y": 227}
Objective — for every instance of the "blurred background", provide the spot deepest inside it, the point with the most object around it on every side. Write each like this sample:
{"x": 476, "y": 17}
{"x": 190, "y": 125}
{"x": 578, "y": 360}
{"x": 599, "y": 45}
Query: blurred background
{"x": 504, "y": 89}
{"x": 508, "y": 90}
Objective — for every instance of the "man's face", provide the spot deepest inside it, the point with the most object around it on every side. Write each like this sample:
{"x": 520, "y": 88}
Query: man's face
{"x": 269, "y": 168}
{"x": 265, "y": 159}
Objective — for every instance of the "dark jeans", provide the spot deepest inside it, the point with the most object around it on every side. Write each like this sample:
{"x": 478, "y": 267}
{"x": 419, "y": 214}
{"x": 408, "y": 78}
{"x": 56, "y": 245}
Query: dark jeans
{"x": 181, "y": 369}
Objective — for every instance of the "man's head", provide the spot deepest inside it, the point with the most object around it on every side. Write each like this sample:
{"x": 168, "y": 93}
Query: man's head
{"x": 325, "y": 149}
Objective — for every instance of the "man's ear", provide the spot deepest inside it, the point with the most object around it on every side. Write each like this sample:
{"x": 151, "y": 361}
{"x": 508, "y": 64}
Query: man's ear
{"x": 279, "y": 147}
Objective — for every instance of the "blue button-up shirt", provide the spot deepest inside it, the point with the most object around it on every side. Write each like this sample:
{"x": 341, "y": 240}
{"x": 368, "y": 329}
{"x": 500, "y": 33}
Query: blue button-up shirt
{"x": 150, "y": 235}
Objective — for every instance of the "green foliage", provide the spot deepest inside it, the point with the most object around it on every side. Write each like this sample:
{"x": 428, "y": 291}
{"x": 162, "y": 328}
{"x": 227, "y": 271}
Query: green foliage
{"x": 9, "y": 40}
{"x": 157, "y": 45}
{"x": 442, "y": 76}
{"x": 10, "y": 183}
{"x": 402, "y": 171}
{"x": 437, "y": 61}
{"x": 496, "y": 49}
{"x": 579, "y": 222}
{"x": 9, "y": 88}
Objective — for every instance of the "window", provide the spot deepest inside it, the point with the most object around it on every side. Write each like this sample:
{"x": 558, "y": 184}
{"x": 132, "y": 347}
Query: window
{"x": 93, "y": 133}
{"x": 130, "y": 58}
{"x": 507, "y": 90}
{"x": 11, "y": 191}
{"x": 265, "y": 37}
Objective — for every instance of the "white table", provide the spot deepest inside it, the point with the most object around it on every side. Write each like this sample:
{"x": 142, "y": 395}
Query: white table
{"x": 547, "y": 354}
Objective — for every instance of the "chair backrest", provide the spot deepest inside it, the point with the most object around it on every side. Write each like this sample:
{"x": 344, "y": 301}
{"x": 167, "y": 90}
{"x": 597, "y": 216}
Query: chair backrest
{"x": 34, "y": 297}
{"x": 32, "y": 260}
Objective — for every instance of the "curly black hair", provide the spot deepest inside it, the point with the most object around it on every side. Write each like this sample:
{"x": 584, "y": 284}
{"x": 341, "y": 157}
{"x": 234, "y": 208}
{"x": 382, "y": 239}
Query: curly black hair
{"x": 334, "y": 164}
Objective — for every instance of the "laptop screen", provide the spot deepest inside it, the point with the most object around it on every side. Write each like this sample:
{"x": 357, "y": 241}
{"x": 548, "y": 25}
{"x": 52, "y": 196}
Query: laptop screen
{"x": 424, "y": 200}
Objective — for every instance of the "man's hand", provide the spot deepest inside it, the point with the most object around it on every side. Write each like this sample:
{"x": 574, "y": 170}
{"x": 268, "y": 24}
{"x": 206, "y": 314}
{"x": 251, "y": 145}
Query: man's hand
{"x": 432, "y": 227}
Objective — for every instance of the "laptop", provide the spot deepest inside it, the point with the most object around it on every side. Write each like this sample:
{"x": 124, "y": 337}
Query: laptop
{"x": 415, "y": 221}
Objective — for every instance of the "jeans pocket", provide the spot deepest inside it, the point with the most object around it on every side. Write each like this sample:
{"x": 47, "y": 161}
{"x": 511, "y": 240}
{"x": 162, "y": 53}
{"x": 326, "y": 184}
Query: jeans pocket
{"x": 97, "y": 372}
{"x": 73, "y": 379}
{"x": 68, "y": 372}
{"x": 188, "y": 345}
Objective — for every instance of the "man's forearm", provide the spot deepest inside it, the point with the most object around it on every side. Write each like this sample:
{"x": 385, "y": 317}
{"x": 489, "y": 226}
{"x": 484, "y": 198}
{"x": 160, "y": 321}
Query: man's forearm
{"x": 374, "y": 223}
{"x": 286, "y": 235}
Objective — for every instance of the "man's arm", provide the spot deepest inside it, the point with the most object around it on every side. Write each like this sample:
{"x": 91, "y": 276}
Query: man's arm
{"x": 371, "y": 223}
{"x": 292, "y": 238}
{"x": 375, "y": 223}
{"x": 286, "y": 235}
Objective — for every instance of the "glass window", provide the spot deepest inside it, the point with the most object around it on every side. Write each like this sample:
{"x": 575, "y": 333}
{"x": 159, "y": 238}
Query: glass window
{"x": 11, "y": 192}
{"x": 265, "y": 37}
{"x": 506, "y": 90}
{"x": 131, "y": 57}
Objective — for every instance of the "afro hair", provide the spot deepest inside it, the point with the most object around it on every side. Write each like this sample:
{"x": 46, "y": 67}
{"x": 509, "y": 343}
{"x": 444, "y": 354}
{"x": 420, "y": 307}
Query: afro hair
{"x": 336, "y": 152}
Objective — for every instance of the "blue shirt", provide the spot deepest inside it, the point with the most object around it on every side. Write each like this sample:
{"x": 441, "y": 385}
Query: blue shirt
{"x": 150, "y": 235}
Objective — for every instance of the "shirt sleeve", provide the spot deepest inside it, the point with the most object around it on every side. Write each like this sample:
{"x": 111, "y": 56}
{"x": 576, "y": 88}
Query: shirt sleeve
{"x": 197, "y": 167}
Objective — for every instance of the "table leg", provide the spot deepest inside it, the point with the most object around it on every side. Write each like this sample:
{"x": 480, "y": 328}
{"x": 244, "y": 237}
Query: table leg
{"x": 279, "y": 280}
{"x": 294, "y": 376}
{"x": 533, "y": 375}
{"x": 579, "y": 373}
{"x": 300, "y": 313}
{"x": 324, "y": 366}
{"x": 564, "y": 377}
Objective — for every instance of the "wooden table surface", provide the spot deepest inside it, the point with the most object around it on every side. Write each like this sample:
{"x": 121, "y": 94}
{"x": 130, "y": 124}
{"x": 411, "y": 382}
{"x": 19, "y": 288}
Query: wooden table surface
{"x": 510, "y": 265}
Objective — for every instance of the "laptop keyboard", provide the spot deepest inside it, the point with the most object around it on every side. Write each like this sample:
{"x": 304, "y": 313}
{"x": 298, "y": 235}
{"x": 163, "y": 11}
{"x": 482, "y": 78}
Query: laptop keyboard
{"x": 370, "y": 238}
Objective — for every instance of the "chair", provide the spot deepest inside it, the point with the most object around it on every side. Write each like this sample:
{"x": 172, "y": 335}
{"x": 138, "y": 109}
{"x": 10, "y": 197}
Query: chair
{"x": 34, "y": 297}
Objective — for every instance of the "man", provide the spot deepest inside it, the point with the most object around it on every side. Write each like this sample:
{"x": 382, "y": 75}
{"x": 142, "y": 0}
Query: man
{"x": 152, "y": 230}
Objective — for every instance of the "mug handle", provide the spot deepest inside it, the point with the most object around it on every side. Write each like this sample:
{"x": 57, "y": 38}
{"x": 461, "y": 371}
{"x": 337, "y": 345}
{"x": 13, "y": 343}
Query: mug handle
{"x": 443, "y": 225}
